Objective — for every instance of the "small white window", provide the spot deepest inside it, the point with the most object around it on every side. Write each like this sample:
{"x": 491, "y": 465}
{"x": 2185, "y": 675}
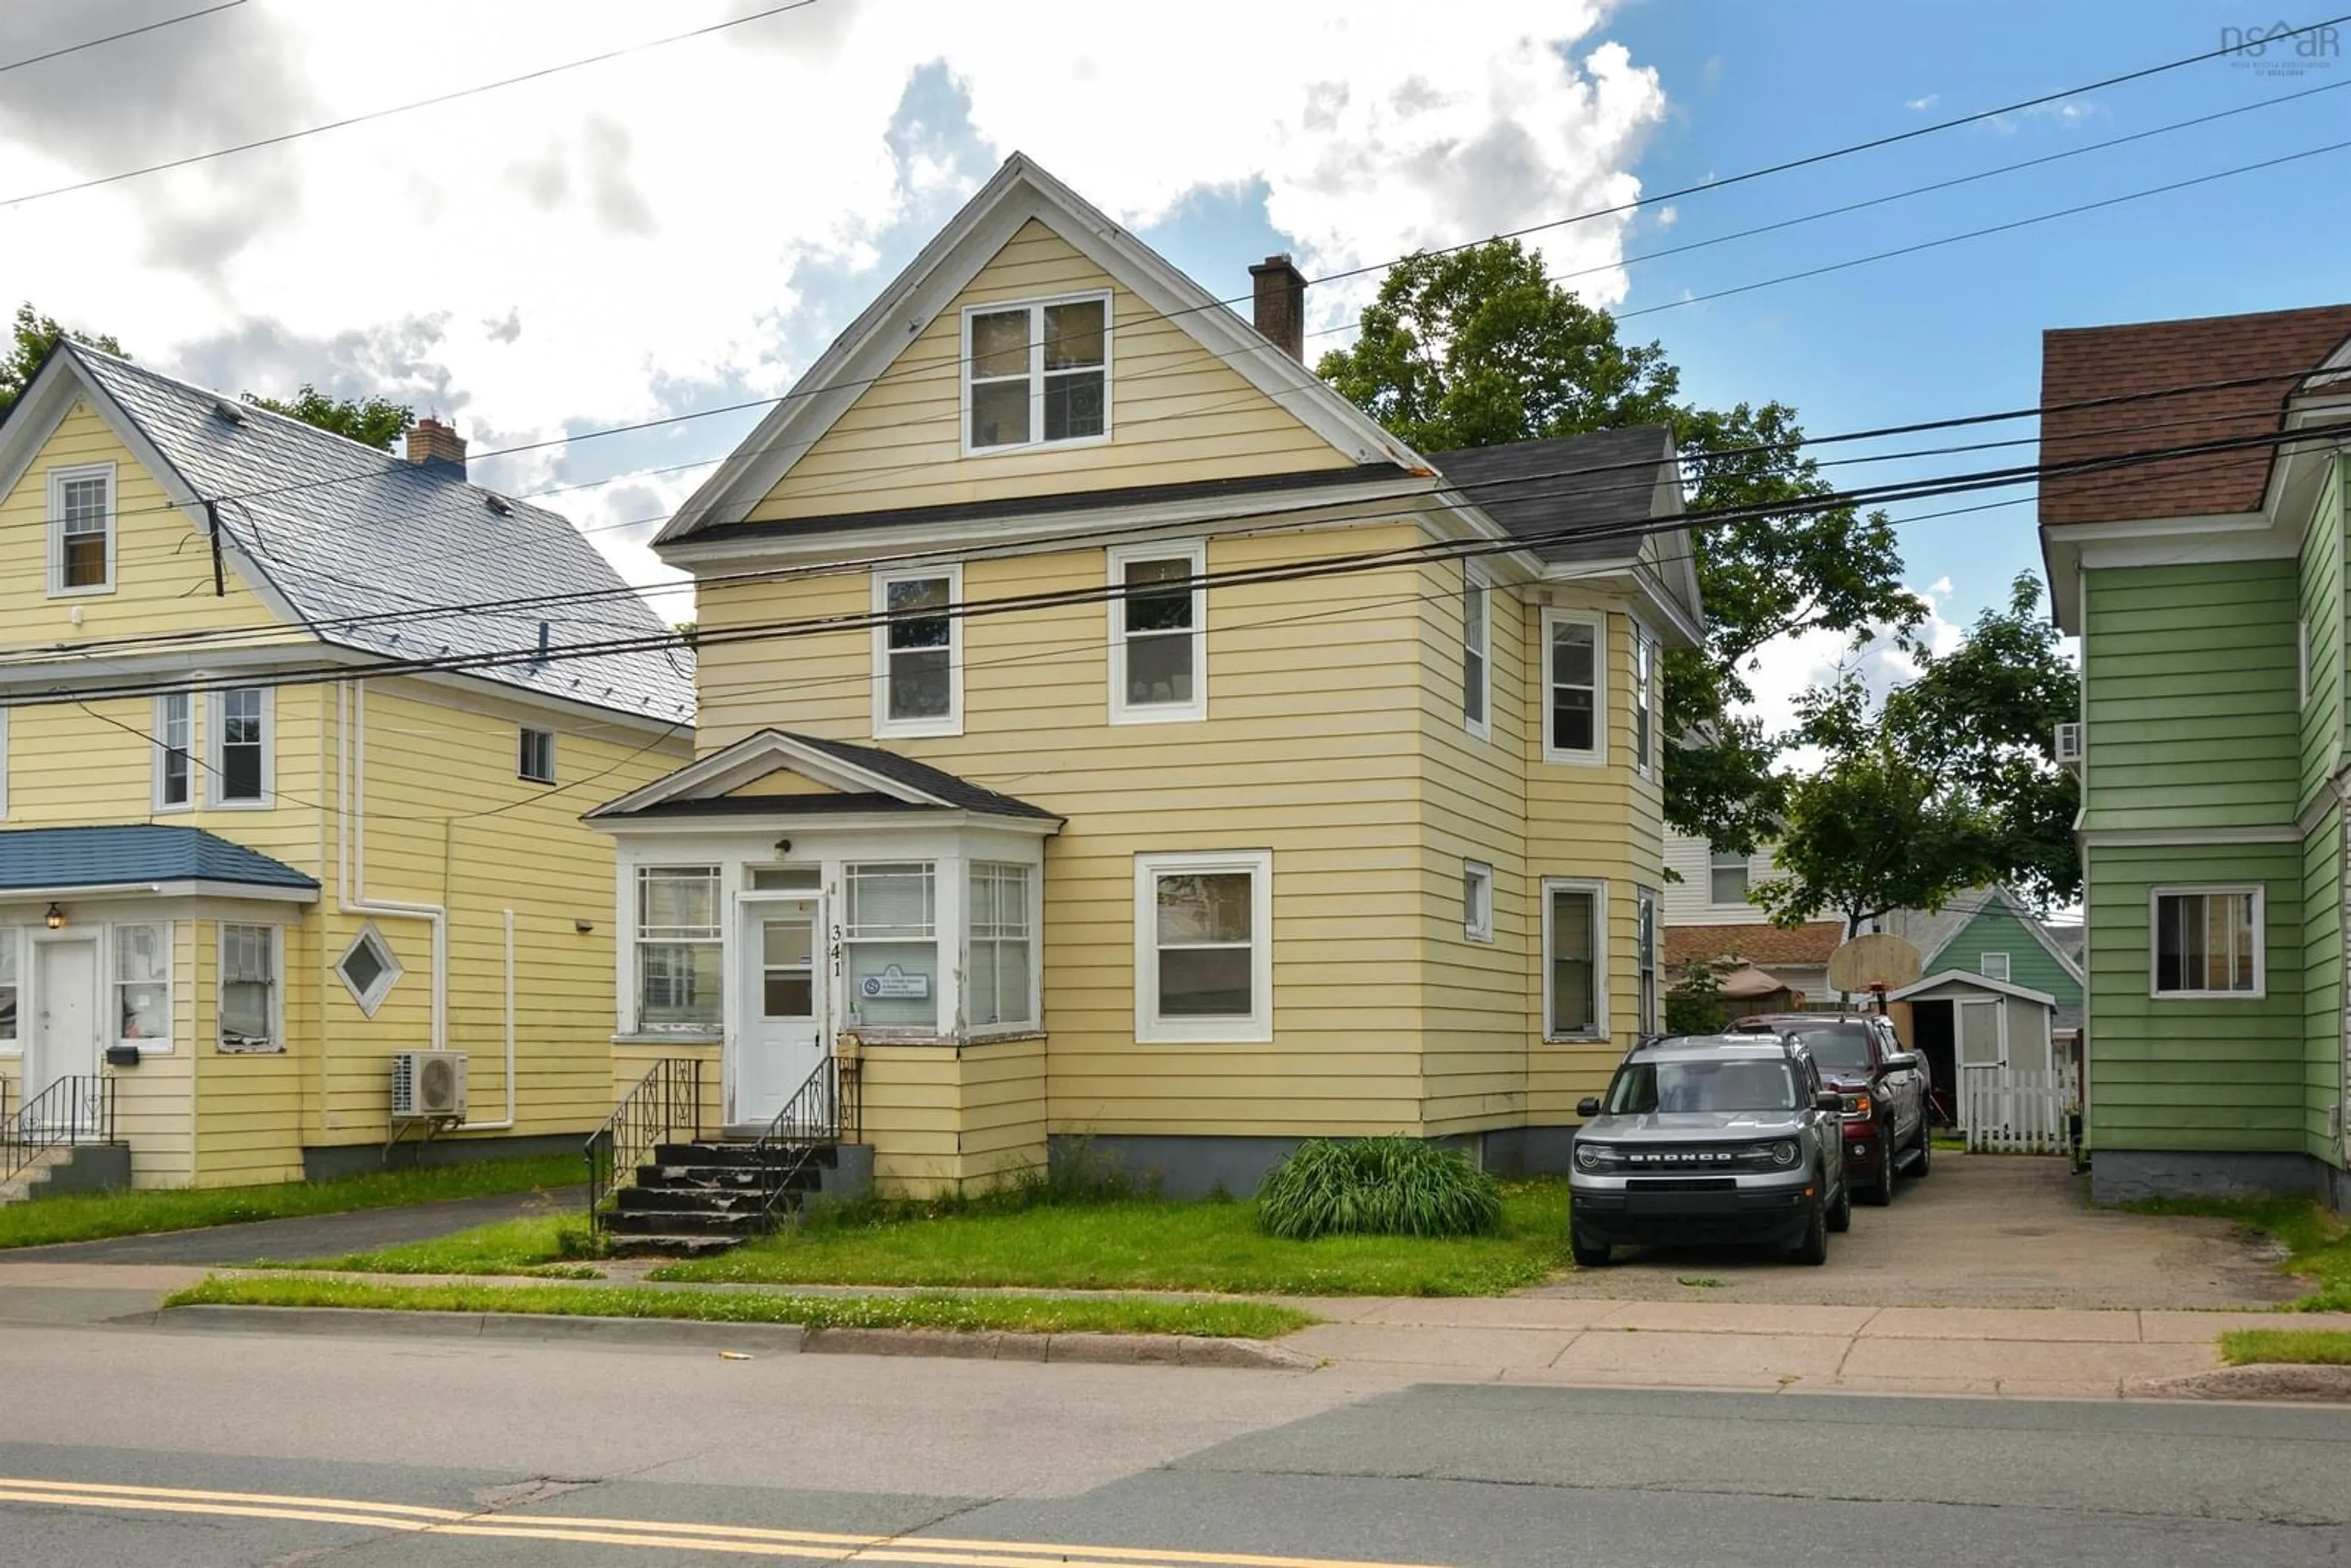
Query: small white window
{"x": 240, "y": 742}
{"x": 175, "y": 751}
{"x": 249, "y": 991}
{"x": 1726, "y": 877}
{"x": 1158, "y": 632}
{"x": 535, "y": 758}
{"x": 369, "y": 969}
{"x": 2208, "y": 942}
{"x": 1575, "y": 954}
{"x": 889, "y": 927}
{"x": 1994, "y": 965}
{"x": 11, "y": 940}
{"x": 1478, "y": 900}
{"x": 1645, "y": 700}
{"x": 1203, "y": 947}
{"x": 81, "y": 529}
{"x": 1000, "y": 915}
{"x": 1575, "y": 688}
{"x": 142, "y": 986}
{"x": 1477, "y": 640}
{"x": 917, "y": 653}
{"x": 1645, "y": 960}
{"x": 1036, "y": 374}
{"x": 679, "y": 947}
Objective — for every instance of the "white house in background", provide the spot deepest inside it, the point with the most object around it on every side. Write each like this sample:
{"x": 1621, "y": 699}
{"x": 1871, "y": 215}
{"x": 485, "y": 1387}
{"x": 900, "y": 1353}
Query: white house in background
{"x": 1707, "y": 916}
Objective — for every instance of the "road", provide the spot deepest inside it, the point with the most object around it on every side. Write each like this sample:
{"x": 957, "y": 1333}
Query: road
{"x": 141, "y": 1446}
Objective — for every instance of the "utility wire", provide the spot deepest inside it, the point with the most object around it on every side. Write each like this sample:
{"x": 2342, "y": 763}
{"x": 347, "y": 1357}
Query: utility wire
{"x": 117, "y": 37}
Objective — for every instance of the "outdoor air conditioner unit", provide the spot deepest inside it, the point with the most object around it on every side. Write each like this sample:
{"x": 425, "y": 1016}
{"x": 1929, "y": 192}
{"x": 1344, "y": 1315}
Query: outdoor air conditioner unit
{"x": 2069, "y": 742}
{"x": 428, "y": 1086}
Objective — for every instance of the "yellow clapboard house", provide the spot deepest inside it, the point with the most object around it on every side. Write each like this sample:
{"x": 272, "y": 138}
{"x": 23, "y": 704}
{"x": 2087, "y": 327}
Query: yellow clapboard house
{"x": 1110, "y": 738}
{"x": 273, "y": 835}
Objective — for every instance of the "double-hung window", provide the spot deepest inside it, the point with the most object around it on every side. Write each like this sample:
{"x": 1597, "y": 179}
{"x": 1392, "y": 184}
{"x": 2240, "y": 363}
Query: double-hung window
{"x": 917, "y": 653}
{"x": 679, "y": 947}
{"x": 142, "y": 985}
{"x": 1575, "y": 706}
{"x": 1477, "y": 901}
{"x": 1644, "y": 958}
{"x": 1476, "y": 653}
{"x": 999, "y": 916}
{"x": 889, "y": 925}
{"x": 1575, "y": 960}
{"x": 2208, "y": 942}
{"x": 1726, "y": 876}
{"x": 81, "y": 529}
{"x": 1036, "y": 374}
{"x": 240, "y": 747}
{"x": 1158, "y": 632}
{"x": 1204, "y": 947}
{"x": 175, "y": 751}
{"x": 534, "y": 756}
{"x": 1994, "y": 965}
{"x": 250, "y": 992}
{"x": 1645, "y": 700}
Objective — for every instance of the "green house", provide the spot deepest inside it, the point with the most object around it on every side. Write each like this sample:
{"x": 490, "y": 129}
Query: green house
{"x": 2193, "y": 522}
{"x": 1988, "y": 943}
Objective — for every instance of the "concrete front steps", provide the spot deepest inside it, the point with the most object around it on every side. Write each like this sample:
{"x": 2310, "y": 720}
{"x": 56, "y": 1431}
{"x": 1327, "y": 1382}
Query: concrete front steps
{"x": 70, "y": 1167}
{"x": 699, "y": 1198}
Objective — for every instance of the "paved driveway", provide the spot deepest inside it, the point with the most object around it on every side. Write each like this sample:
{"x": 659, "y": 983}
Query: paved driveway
{"x": 1989, "y": 1231}
{"x": 313, "y": 1236}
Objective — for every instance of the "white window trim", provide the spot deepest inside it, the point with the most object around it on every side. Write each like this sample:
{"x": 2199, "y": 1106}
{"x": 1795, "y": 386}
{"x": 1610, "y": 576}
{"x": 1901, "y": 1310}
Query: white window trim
{"x": 58, "y": 478}
{"x": 1747, "y": 871}
{"x": 373, "y": 997}
{"x": 1476, "y": 923}
{"x": 951, "y": 722}
{"x": 1983, "y": 965}
{"x": 277, "y": 1045}
{"x": 1472, "y": 578}
{"x": 1195, "y": 553}
{"x": 1036, "y": 373}
{"x": 634, "y": 942}
{"x": 148, "y": 1046}
{"x": 21, "y": 953}
{"x": 2155, "y": 897}
{"x": 1598, "y": 755}
{"x": 1254, "y": 1029}
{"x": 156, "y": 803}
{"x": 1646, "y": 646}
{"x": 1035, "y": 1021}
{"x": 1649, "y": 1003}
{"x": 1599, "y": 891}
{"x": 217, "y": 729}
{"x": 553, "y": 759}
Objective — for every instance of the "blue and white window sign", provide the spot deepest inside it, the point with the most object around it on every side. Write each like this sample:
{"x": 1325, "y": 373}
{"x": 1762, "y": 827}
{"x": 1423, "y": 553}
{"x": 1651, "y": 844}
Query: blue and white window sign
{"x": 894, "y": 982}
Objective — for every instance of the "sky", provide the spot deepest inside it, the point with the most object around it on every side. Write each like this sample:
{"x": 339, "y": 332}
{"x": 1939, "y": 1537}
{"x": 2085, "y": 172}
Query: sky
{"x": 680, "y": 229}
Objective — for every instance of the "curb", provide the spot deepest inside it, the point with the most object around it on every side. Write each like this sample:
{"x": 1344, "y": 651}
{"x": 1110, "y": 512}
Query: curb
{"x": 774, "y": 1339}
{"x": 2261, "y": 1380}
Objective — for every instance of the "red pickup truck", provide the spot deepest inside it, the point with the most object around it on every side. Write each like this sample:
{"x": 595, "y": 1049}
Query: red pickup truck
{"x": 1885, "y": 1089}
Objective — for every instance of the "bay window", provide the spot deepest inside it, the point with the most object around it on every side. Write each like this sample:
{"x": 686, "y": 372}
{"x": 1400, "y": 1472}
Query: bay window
{"x": 1574, "y": 688}
{"x": 679, "y": 950}
{"x": 890, "y": 928}
{"x": 1204, "y": 947}
{"x": 249, "y": 989}
{"x": 142, "y": 986}
{"x": 998, "y": 916}
{"x": 1575, "y": 960}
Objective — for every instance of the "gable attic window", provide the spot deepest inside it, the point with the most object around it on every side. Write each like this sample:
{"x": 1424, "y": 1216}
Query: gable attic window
{"x": 535, "y": 759}
{"x": 1158, "y": 632}
{"x": 1994, "y": 965}
{"x": 1036, "y": 374}
{"x": 917, "y": 653}
{"x": 81, "y": 529}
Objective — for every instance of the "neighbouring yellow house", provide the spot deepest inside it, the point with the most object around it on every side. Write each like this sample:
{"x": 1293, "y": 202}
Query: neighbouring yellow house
{"x": 1109, "y": 735}
{"x": 277, "y": 820}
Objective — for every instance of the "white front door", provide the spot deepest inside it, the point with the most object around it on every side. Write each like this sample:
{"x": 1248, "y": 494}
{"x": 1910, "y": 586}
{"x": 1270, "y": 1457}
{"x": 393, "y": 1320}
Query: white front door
{"x": 782, "y": 1036}
{"x": 65, "y": 1023}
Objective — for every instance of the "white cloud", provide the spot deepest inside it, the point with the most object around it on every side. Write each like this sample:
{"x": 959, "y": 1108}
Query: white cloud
{"x": 692, "y": 223}
{"x": 1667, "y": 216}
{"x": 1786, "y": 669}
{"x": 1921, "y": 105}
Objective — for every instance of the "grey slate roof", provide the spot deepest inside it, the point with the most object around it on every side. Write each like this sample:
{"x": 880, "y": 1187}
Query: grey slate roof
{"x": 1571, "y": 485}
{"x": 341, "y": 529}
{"x": 134, "y": 853}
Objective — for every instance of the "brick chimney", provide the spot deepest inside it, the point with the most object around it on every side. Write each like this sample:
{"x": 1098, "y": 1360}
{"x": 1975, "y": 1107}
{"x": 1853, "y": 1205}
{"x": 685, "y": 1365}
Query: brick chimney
{"x": 434, "y": 444}
{"x": 1282, "y": 305}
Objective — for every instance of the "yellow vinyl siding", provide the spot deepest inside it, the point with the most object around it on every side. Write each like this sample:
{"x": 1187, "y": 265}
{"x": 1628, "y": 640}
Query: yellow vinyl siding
{"x": 162, "y": 563}
{"x": 1177, "y": 412}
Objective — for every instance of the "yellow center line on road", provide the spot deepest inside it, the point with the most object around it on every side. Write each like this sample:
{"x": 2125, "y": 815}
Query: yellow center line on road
{"x": 669, "y": 1534}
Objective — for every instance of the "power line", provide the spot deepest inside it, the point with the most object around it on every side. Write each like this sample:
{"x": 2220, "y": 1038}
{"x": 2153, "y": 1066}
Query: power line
{"x": 117, "y": 37}
{"x": 438, "y": 99}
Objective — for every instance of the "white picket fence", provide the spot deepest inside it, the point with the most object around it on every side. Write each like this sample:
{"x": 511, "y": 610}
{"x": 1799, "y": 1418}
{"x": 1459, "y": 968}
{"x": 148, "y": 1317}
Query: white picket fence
{"x": 2013, "y": 1113}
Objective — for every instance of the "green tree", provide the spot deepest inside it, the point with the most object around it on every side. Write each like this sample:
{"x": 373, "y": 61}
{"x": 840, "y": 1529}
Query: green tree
{"x": 1478, "y": 347}
{"x": 34, "y": 335}
{"x": 372, "y": 422}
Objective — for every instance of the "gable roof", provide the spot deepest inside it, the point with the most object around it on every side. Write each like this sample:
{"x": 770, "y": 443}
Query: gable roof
{"x": 2086, "y": 363}
{"x": 865, "y": 777}
{"x": 135, "y": 853}
{"x": 325, "y": 530}
{"x": 1969, "y": 977}
{"x": 1931, "y": 933}
{"x": 1020, "y": 192}
{"x": 1594, "y": 487}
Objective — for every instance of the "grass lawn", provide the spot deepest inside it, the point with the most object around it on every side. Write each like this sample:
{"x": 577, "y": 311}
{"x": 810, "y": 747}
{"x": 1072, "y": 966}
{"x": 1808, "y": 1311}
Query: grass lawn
{"x": 89, "y": 1217}
{"x": 2307, "y": 1347}
{"x": 2319, "y": 1244}
{"x": 1017, "y": 1314}
{"x": 1145, "y": 1245}
{"x": 543, "y": 1246}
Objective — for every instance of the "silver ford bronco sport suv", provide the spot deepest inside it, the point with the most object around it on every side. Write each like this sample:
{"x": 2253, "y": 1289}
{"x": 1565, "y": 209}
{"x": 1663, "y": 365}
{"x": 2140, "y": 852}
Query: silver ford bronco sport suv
{"x": 1710, "y": 1139}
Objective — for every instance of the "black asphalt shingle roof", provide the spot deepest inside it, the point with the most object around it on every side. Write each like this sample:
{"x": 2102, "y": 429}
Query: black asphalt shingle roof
{"x": 135, "y": 853}
{"x": 1578, "y": 497}
{"x": 951, "y": 792}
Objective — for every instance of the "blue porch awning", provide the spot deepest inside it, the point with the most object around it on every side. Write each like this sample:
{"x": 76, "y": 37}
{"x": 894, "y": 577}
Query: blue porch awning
{"x": 58, "y": 861}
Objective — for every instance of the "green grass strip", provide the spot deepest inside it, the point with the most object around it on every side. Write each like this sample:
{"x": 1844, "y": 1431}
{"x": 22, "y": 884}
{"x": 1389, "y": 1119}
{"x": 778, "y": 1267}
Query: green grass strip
{"x": 1011, "y": 1314}
{"x": 2308, "y": 1347}
{"x": 93, "y": 1216}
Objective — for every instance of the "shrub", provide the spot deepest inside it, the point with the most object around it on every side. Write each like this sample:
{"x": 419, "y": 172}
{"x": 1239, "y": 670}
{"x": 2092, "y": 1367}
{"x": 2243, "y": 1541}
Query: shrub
{"x": 1378, "y": 1187}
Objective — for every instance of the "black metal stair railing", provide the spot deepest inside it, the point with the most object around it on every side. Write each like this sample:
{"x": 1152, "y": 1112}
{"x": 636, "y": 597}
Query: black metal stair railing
{"x": 824, "y": 1112}
{"x": 77, "y": 1109}
{"x": 666, "y": 1103}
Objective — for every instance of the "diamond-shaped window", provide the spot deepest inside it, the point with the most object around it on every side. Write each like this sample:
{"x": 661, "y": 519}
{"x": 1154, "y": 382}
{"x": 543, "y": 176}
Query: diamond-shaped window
{"x": 369, "y": 969}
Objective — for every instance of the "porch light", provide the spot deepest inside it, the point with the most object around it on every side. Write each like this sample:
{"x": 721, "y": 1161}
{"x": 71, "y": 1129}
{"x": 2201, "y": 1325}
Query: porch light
{"x": 57, "y": 918}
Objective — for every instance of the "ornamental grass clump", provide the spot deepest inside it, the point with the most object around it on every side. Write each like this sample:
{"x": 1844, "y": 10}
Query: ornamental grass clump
{"x": 1378, "y": 1187}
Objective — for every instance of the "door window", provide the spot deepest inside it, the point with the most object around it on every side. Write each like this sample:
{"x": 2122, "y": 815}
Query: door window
{"x": 787, "y": 968}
